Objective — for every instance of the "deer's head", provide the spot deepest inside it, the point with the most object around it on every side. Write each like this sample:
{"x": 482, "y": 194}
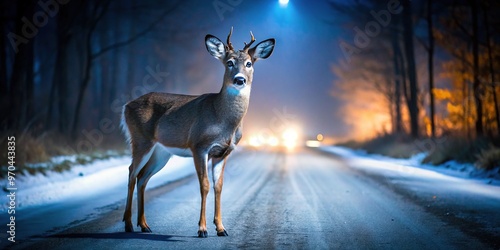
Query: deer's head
{"x": 238, "y": 63}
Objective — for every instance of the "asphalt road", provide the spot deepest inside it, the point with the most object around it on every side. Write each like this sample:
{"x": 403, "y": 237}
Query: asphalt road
{"x": 301, "y": 200}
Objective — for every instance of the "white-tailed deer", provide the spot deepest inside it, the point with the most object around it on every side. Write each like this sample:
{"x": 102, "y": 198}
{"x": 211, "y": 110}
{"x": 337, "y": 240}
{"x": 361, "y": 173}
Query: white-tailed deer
{"x": 205, "y": 127}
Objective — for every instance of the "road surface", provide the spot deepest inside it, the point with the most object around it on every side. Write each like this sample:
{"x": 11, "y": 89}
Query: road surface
{"x": 300, "y": 200}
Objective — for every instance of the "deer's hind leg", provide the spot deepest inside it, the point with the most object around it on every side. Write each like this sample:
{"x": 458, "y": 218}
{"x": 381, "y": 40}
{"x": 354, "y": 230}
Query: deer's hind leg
{"x": 158, "y": 160}
{"x": 200, "y": 162}
{"x": 141, "y": 152}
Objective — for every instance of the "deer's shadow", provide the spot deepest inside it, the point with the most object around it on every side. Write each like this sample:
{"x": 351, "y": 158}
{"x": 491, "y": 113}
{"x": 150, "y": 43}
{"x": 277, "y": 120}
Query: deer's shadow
{"x": 122, "y": 236}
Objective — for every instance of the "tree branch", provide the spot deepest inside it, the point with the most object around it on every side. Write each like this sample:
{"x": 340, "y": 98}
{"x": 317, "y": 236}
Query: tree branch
{"x": 457, "y": 22}
{"x": 150, "y": 27}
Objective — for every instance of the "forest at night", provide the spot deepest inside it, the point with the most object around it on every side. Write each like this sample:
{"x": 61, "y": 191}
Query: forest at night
{"x": 390, "y": 71}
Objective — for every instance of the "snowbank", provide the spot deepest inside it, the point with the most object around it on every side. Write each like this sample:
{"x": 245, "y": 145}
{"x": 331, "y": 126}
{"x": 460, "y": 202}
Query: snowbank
{"x": 100, "y": 178}
{"x": 414, "y": 167}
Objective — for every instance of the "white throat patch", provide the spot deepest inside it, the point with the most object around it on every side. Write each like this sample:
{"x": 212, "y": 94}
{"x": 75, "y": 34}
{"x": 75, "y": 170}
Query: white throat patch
{"x": 238, "y": 90}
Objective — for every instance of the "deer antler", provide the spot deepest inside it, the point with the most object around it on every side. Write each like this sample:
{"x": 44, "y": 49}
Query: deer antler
{"x": 247, "y": 46}
{"x": 229, "y": 45}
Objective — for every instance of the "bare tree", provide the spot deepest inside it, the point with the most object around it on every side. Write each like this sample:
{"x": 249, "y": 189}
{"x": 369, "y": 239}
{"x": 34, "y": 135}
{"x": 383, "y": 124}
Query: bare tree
{"x": 67, "y": 22}
{"x": 21, "y": 82}
{"x": 398, "y": 79}
{"x": 409, "y": 48}
{"x": 4, "y": 85}
{"x": 476, "y": 84}
{"x": 97, "y": 14}
{"x": 491, "y": 65}
{"x": 430, "y": 66}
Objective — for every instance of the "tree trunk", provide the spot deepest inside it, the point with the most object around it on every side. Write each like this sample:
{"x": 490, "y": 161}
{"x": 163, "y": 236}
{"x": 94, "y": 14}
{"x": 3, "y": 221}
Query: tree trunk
{"x": 105, "y": 66}
{"x": 21, "y": 82}
{"x": 476, "y": 85}
{"x": 29, "y": 88}
{"x": 83, "y": 86}
{"x": 52, "y": 101}
{"x": 398, "y": 120}
{"x": 60, "y": 98}
{"x": 60, "y": 79}
{"x": 4, "y": 85}
{"x": 431, "y": 67}
{"x": 491, "y": 68}
{"x": 465, "y": 94}
{"x": 95, "y": 14}
{"x": 411, "y": 68}
{"x": 115, "y": 73}
{"x": 131, "y": 53}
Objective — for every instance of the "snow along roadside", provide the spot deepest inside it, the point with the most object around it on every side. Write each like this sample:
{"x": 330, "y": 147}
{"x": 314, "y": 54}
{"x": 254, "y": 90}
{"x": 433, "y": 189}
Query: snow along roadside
{"x": 414, "y": 167}
{"x": 82, "y": 181}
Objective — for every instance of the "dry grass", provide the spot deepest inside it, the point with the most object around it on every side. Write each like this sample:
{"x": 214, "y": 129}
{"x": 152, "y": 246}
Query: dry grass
{"x": 488, "y": 159}
{"x": 397, "y": 146}
{"x": 480, "y": 151}
{"x": 459, "y": 149}
{"x": 32, "y": 149}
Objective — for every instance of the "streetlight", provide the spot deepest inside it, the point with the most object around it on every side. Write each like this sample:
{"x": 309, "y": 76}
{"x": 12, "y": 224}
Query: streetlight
{"x": 283, "y": 2}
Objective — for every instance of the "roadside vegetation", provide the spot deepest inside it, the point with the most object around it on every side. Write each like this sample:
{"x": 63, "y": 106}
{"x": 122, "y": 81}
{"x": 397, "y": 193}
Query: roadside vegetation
{"x": 51, "y": 151}
{"x": 484, "y": 153}
{"x": 437, "y": 91}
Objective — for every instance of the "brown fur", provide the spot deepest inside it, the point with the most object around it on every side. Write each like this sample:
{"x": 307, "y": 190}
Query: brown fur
{"x": 208, "y": 127}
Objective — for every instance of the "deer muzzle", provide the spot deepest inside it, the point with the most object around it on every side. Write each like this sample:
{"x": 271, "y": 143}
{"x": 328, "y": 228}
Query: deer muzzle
{"x": 239, "y": 80}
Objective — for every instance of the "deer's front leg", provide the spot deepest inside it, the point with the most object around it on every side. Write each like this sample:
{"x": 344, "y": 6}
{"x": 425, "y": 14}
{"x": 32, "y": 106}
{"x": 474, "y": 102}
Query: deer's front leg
{"x": 218, "y": 165}
{"x": 200, "y": 162}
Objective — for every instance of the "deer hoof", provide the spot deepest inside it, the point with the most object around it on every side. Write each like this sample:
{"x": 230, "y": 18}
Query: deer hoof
{"x": 146, "y": 230}
{"x": 202, "y": 234}
{"x": 129, "y": 228}
{"x": 223, "y": 233}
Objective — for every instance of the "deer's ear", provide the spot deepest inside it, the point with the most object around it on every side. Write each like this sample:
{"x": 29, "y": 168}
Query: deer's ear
{"x": 215, "y": 47}
{"x": 263, "y": 49}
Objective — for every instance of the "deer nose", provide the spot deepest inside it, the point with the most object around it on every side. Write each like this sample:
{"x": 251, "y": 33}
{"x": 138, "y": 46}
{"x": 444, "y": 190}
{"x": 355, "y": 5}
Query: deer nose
{"x": 239, "y": 80}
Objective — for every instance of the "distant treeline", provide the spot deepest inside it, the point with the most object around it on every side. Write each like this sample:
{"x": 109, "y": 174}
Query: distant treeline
{"x": 422, "y": 67}
{"x": 69, "y": 65}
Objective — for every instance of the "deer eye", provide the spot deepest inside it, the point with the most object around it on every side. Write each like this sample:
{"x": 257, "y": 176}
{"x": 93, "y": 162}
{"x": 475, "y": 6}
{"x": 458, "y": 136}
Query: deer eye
{"x": 249, "y": 64}
{"x": 230, "y": 64}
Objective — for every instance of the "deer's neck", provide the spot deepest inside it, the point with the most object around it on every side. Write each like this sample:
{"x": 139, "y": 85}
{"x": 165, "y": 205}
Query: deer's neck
{"x": 231, "y": 104}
